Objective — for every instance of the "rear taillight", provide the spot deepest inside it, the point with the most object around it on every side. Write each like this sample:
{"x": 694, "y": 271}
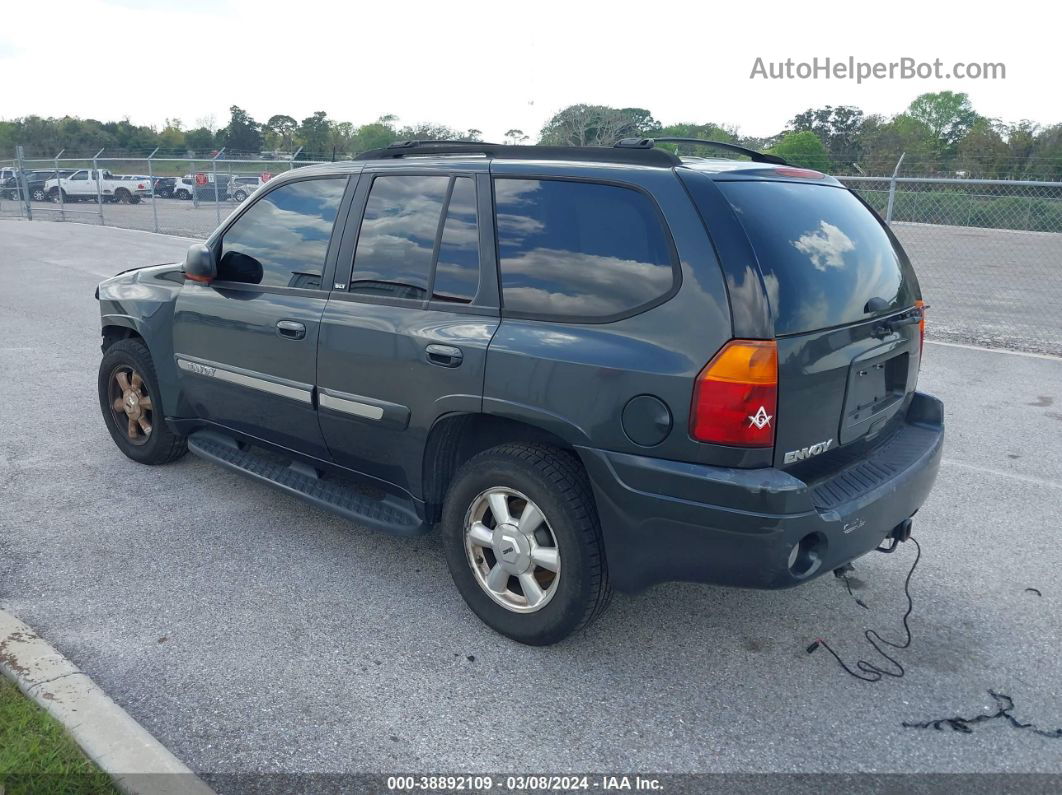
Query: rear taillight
{"x": 736, "y": 396}
{"x": 921, "y": 326}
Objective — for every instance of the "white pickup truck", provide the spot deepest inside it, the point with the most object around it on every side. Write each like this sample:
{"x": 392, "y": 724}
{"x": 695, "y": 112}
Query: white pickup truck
{"x": 89, "y": 183}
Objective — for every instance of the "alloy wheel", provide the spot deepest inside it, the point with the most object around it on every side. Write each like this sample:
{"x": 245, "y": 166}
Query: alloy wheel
{"x": 131, "y": 405}
{"x": 512, "y": 550}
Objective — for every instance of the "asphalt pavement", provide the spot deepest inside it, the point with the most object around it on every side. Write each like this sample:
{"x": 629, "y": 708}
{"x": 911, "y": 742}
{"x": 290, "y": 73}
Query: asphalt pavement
{"x": 250, "y": 632}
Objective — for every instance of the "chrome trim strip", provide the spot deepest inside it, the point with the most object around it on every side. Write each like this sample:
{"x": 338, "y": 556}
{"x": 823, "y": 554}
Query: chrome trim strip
{"x": 220, "y": 372}
{"x": 355, "y": 407}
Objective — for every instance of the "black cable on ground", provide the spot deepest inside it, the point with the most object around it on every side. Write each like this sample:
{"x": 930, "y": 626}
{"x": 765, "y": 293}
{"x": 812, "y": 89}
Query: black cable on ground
{"x": 1004, "y": 706}
{"x": 867, "y": 671}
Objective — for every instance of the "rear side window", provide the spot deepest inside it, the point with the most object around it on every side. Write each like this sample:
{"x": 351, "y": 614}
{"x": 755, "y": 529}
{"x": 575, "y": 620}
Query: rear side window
{"x": 579, "y": 250}
{"x": 282, "y": 239}
{"x": 822, "y": 253}
{"x": 457, "y": 270}
{"x": 397, "y": 236}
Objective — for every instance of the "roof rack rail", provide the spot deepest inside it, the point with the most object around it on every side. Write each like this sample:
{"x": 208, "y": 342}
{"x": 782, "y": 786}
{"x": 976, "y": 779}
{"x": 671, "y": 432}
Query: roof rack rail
{"x": 641, "y": 156}
{"x": 752, "y": 154}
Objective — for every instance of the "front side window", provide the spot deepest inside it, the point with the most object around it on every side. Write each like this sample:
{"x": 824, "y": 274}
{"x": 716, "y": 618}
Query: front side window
{"x": 282, "y": 239}
{"x": 572, "y": 249}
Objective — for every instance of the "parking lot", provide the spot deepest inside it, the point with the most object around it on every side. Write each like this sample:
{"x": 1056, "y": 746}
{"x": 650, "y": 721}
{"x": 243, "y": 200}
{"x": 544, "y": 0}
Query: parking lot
{"x": 252, "y": 633}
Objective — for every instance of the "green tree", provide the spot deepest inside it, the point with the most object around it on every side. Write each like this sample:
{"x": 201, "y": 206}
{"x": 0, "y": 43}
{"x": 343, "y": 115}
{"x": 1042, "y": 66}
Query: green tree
{"x": 515, "y": 136}
{"x": 376, "y": 135}
{"x": 982, "y": 152}
{"x": 706, "y": 132}
{"x": 837, "y": 127}
{"x": 242, "y": 133}
{"x": 947, "y": 114}
{"x": 280, "y": 132}
{"x": 803, "y": 149}
{"x": 1046, "y": 160}
{"x": 884, "y": 141}
{"x": 200, "y": 140}
{"x": 315, "y": 136}
{"x": 594, "y": 125}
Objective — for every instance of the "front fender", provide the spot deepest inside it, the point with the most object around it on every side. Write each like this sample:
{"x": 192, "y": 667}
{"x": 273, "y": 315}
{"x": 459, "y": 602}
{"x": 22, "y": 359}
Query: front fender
{"x": 142, "y": 301}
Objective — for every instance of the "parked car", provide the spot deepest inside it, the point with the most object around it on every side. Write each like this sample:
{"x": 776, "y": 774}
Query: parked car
{"x": 242, "y": 187}
{"x": 35, "y": 183}
{"x": 592, "y": 368}
{"x": 91, "y": 183}
{"x": 164, "y": 187}
{"x": 186, "y": 187}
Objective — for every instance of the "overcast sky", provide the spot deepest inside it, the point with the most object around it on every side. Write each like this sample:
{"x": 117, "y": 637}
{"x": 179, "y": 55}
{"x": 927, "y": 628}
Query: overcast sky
{"x": 498, "y": 65}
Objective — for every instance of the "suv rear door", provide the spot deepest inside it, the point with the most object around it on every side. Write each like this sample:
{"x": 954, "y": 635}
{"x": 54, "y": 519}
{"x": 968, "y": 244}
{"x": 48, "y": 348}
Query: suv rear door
{"x": 246, "y": 344}
{"x": 414, "y": 305}
{"x": 843, "y": 307}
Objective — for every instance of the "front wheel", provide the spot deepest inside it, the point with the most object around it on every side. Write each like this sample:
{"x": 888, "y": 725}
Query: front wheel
{"x": 129, "y": 399}
{"x": 523, "y": 542}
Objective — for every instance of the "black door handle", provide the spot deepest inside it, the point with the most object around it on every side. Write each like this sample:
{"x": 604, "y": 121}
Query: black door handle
{"x": 444, "y": 355}
{"x": 291, "y": 329}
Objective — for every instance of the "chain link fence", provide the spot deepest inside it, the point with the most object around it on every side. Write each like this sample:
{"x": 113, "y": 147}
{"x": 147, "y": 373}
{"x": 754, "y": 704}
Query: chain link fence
{"x": 988, "y": 255}
{"x": 988, "y": 252}
{"x": 176, "y": 196}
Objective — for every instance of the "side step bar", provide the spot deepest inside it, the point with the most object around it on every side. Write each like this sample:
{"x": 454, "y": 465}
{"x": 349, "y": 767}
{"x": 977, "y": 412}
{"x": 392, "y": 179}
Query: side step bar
{"x": 389, "y": 514}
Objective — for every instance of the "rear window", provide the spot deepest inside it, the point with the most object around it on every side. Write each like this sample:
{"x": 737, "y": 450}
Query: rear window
{"x": 579, "y": 250}
{"x": 822, "y": 253}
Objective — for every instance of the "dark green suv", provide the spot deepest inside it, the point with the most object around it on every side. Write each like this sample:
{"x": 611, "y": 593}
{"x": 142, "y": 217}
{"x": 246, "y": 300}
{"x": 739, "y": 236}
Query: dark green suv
{"x": 593, "y": 368}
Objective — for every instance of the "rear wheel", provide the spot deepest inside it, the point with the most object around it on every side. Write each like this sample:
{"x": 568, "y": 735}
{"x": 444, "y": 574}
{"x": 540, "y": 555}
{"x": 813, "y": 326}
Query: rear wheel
{"x": 129, "y": 399}
{"x": 122, "y": 196}
{"x": 523, "y": 542}
{"x": 239, "y": 195}
{"x": 38, "y": 195}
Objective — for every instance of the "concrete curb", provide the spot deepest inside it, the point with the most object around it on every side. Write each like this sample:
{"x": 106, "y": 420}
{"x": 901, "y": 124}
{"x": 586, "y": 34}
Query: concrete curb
{"x": 123, "y": 749}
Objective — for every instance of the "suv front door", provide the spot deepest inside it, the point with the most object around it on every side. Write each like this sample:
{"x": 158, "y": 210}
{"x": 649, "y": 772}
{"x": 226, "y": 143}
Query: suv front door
{"x": 246, "y": 344}
{"x": 404, "y": 335}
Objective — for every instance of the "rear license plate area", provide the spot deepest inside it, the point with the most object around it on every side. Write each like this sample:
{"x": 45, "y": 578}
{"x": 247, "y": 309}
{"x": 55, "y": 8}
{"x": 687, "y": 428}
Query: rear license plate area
{"x": 876, "y": 387}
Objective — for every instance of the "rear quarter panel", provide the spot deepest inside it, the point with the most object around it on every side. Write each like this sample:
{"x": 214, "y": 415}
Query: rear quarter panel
{"x": 574, "y": 379}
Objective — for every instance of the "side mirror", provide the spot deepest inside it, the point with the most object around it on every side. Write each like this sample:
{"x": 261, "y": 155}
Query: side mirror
{"x": 199, "y": 265}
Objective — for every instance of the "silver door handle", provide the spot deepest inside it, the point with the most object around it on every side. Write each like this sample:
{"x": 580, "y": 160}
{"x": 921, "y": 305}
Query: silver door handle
{"x": 291, "y": 329}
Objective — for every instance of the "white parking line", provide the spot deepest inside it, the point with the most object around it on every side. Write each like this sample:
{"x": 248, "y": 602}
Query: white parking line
{"x": 995, "y": 350}
{"x": 1002, "y": 473}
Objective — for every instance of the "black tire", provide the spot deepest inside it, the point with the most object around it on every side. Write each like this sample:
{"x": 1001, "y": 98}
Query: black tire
{"x": 160, "y": 445}
{"x": 56, "y": 195}
{"x": 239, "y": 195}
{"x": 183, "y": 195}
{"x": 134, "y": 200}
{"x": 122, "y": 196}
{"x": 555, "y": 481}
{"x": 39, "y": 195}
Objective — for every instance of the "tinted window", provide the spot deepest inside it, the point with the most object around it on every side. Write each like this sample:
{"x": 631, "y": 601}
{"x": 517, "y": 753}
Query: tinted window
{"x": 822, "y": 253}
{"x": 282, "y": 239}
{"x": 579, "y": 249}
{"x": 457, "y": 268}
{"x": 397, "y": 237}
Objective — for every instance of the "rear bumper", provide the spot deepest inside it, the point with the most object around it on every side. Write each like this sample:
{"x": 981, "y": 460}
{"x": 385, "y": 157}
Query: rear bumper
{"x": 667, "y": 520}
